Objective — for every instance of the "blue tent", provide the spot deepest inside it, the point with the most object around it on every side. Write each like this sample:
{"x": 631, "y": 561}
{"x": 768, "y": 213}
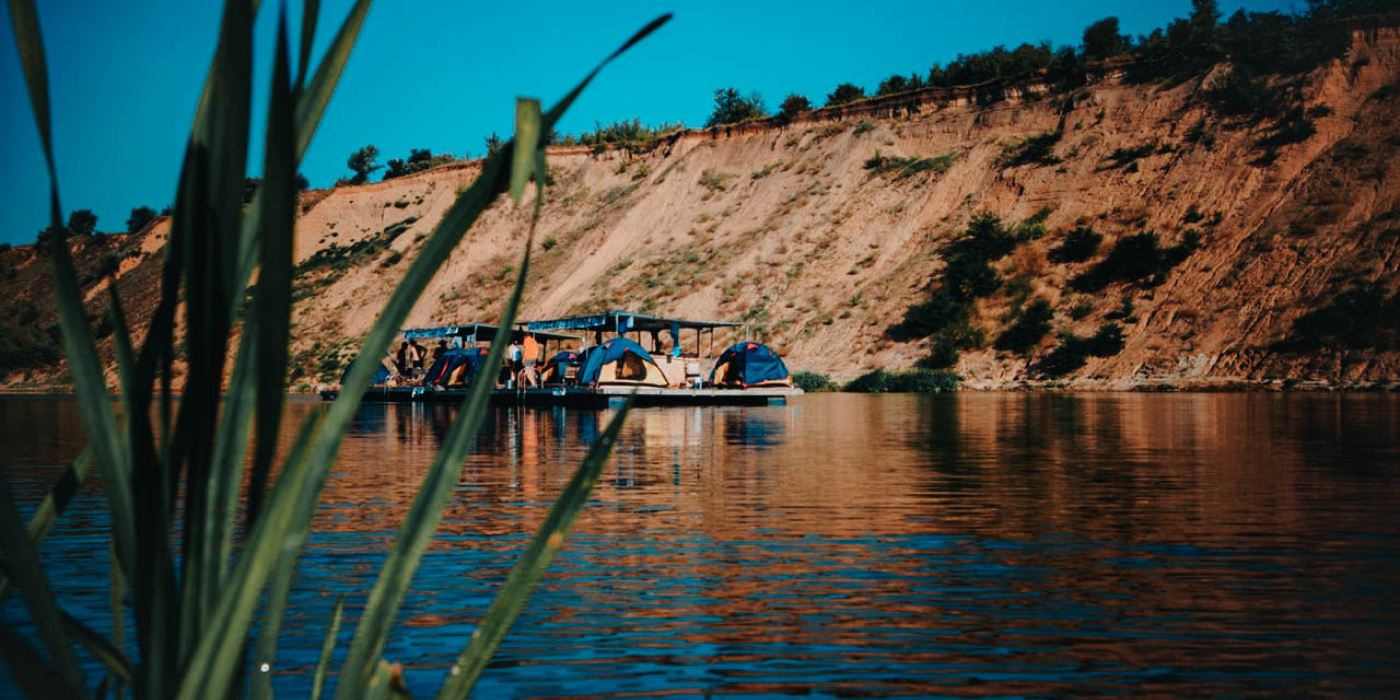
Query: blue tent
{"x": 595, "y": 359}
{"x": 448, "y": 363}
{"x": 381, "y": 374}
{"x": 750, "y": 364}
{"x": 558, "y": 366}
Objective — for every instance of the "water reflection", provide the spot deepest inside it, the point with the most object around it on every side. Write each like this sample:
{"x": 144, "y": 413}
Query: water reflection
{"x": 975, "y": 544}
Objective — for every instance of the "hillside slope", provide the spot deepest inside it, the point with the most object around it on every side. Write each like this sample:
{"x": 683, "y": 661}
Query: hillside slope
{"x": 789, "y": 230}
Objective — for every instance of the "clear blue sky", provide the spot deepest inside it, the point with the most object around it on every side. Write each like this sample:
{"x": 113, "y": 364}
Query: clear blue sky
{"x": 441, "y": 74}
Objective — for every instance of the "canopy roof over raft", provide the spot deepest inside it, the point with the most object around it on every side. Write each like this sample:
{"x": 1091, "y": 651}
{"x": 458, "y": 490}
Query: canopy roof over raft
{"x": 620, "y": 321}
{"x": 481, "y": 333}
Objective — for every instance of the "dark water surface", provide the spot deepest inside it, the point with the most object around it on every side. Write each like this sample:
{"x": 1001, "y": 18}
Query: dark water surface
{"x": 846, "y": 545}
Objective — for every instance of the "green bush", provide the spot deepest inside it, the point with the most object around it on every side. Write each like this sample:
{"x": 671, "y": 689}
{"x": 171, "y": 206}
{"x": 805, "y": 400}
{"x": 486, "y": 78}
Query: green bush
{"x": 419, "y": 159}
{"x": 732, "y": 107}
{"x": 904, "y": 166}
{"x": 1238, "y": 93}
{"x": 1137, "y": 258}
{"x": 845, "y": 92}
{"x": 1293, "y": 127}
{"x": 943, "y": 354}
{"x": 1125, "y": 156}
{"x": 986, "y": 239}
{"x": 1038, "y": 149}
{"x": 914, "y": 381}
{"x": 1079, "y": 245}
{"x": 970, "y": 277}
{"x": 941, "y": 310}
{"x": 896, "y": 84}
{"x": 792, "y": 106}
{"x": 140, "y": 216}
{"x": 1032, "y": 325}
{"x": 1073, "y": 351}
{"x": 812, "y": 382}
{"x": 1357, "y": 318}
{"x": 23, "y": 343}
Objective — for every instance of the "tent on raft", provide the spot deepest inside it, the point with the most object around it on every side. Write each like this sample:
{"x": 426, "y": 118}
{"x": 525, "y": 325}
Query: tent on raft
{"x": 620, "y": 361}
{"x": 456, "y": 367}
{"x": 747, "y": 365}
{"x": 382, "y": 373}
{"x": 557, "y": 369}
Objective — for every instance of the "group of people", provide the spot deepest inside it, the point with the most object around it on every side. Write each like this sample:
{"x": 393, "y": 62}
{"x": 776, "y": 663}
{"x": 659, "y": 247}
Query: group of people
{"x": 520, "y": 367}
{"x": 522, "y": 362}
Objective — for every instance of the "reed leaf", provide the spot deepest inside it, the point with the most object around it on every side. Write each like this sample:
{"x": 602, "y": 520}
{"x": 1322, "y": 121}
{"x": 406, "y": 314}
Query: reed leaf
{"x": 210, "y": 263}
{"x": 423, "y": 517}
{"x": 53, "y": 505}
{"x": 118, "y": 606}
{"x": 272, "y": 310}
{"x": 101, "y": 649}
{"x": 32, "y": 672}
{"x": 94, "y": 407}
{"x": 22, "y": 562}
{"x": 288, "y": 512}
{"x": 531, "y": 565}
{"x": 323, "y": 664}
{"x": 310, "y": 12}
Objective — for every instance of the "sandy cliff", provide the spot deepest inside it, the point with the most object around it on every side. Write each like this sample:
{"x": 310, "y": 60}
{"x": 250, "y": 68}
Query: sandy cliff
{"x": 786, "y": 228}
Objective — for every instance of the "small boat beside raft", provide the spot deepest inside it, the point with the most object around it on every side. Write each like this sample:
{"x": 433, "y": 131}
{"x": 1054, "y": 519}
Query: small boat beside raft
{"x": 600, "y": 374}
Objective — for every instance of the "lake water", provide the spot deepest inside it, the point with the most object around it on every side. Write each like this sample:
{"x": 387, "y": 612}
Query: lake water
{"x": 1234, "y": 545}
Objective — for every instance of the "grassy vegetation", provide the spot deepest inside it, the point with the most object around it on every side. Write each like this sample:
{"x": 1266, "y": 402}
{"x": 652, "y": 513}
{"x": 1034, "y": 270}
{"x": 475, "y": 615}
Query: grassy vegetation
{"x": 1360, "y": 317}
{"x": 1074, "y": 351}
{"x": 1025, "y": 334}
{"x": 1129, "y": 154}
{"x": 914, "y": 381}
{"x": 905, "y": 166}
{"x": 207, "y": 580}
{"x": 714, "y": 180}
{"x": 1080, "y": 244}
{"x": 23, "y": 343}
{"x": 1139, "y": 258}
{"x": 1036, "y": 150}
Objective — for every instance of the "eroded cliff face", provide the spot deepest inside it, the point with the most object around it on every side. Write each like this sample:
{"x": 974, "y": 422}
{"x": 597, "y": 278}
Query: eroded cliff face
{"x": 788, "y": 230}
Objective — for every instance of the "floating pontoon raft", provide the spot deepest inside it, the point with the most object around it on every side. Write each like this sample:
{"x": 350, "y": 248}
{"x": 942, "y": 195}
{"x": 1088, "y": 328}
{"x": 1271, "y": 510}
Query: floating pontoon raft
{"x": 680, "y": 365}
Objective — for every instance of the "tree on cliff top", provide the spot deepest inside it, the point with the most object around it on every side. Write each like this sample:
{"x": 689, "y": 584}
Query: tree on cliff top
{"x": 1102, "y": 40}
{"x": 140, "y": 216}
{"x": 845, "y": 92}
{"x": 732, "y": 107}
{"x": 792, "y": 106}
{"x": 363, "y": 163}
{"x": 82, "y": 222}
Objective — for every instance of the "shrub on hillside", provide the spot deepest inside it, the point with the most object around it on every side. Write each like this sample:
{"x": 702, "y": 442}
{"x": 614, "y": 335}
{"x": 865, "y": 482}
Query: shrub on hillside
{"x": 845, "y": 92}
{"x": 1102, "y": 40}
{"x": 812, "y": 382}
{"x": 362, "y": 163}
{"x": 792, "y": 106}
{"x": 1038, "y": 149}
{"x": 1032, "y": 325}
{"x": 1073, "y": 351}
{"x": 904, "y": 166}
{"x": 896, "y": 84}
{"x": 140, "y": 216}
{"x": 419, "y": 159}
{"x": 1238, "y": 93}
{"x": 914, "y": 381}
{"x": 986, "y": 239}
{"x": 23, "y": 343}
{"x": 1137, "y": 258}
{"x": 1079, "y": 245}
{"x": 1357, "y": 318}
{"x": 731, "y": 107}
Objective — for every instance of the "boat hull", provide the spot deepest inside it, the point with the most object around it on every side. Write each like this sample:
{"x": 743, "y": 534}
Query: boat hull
{"x": 585, "y": 397}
